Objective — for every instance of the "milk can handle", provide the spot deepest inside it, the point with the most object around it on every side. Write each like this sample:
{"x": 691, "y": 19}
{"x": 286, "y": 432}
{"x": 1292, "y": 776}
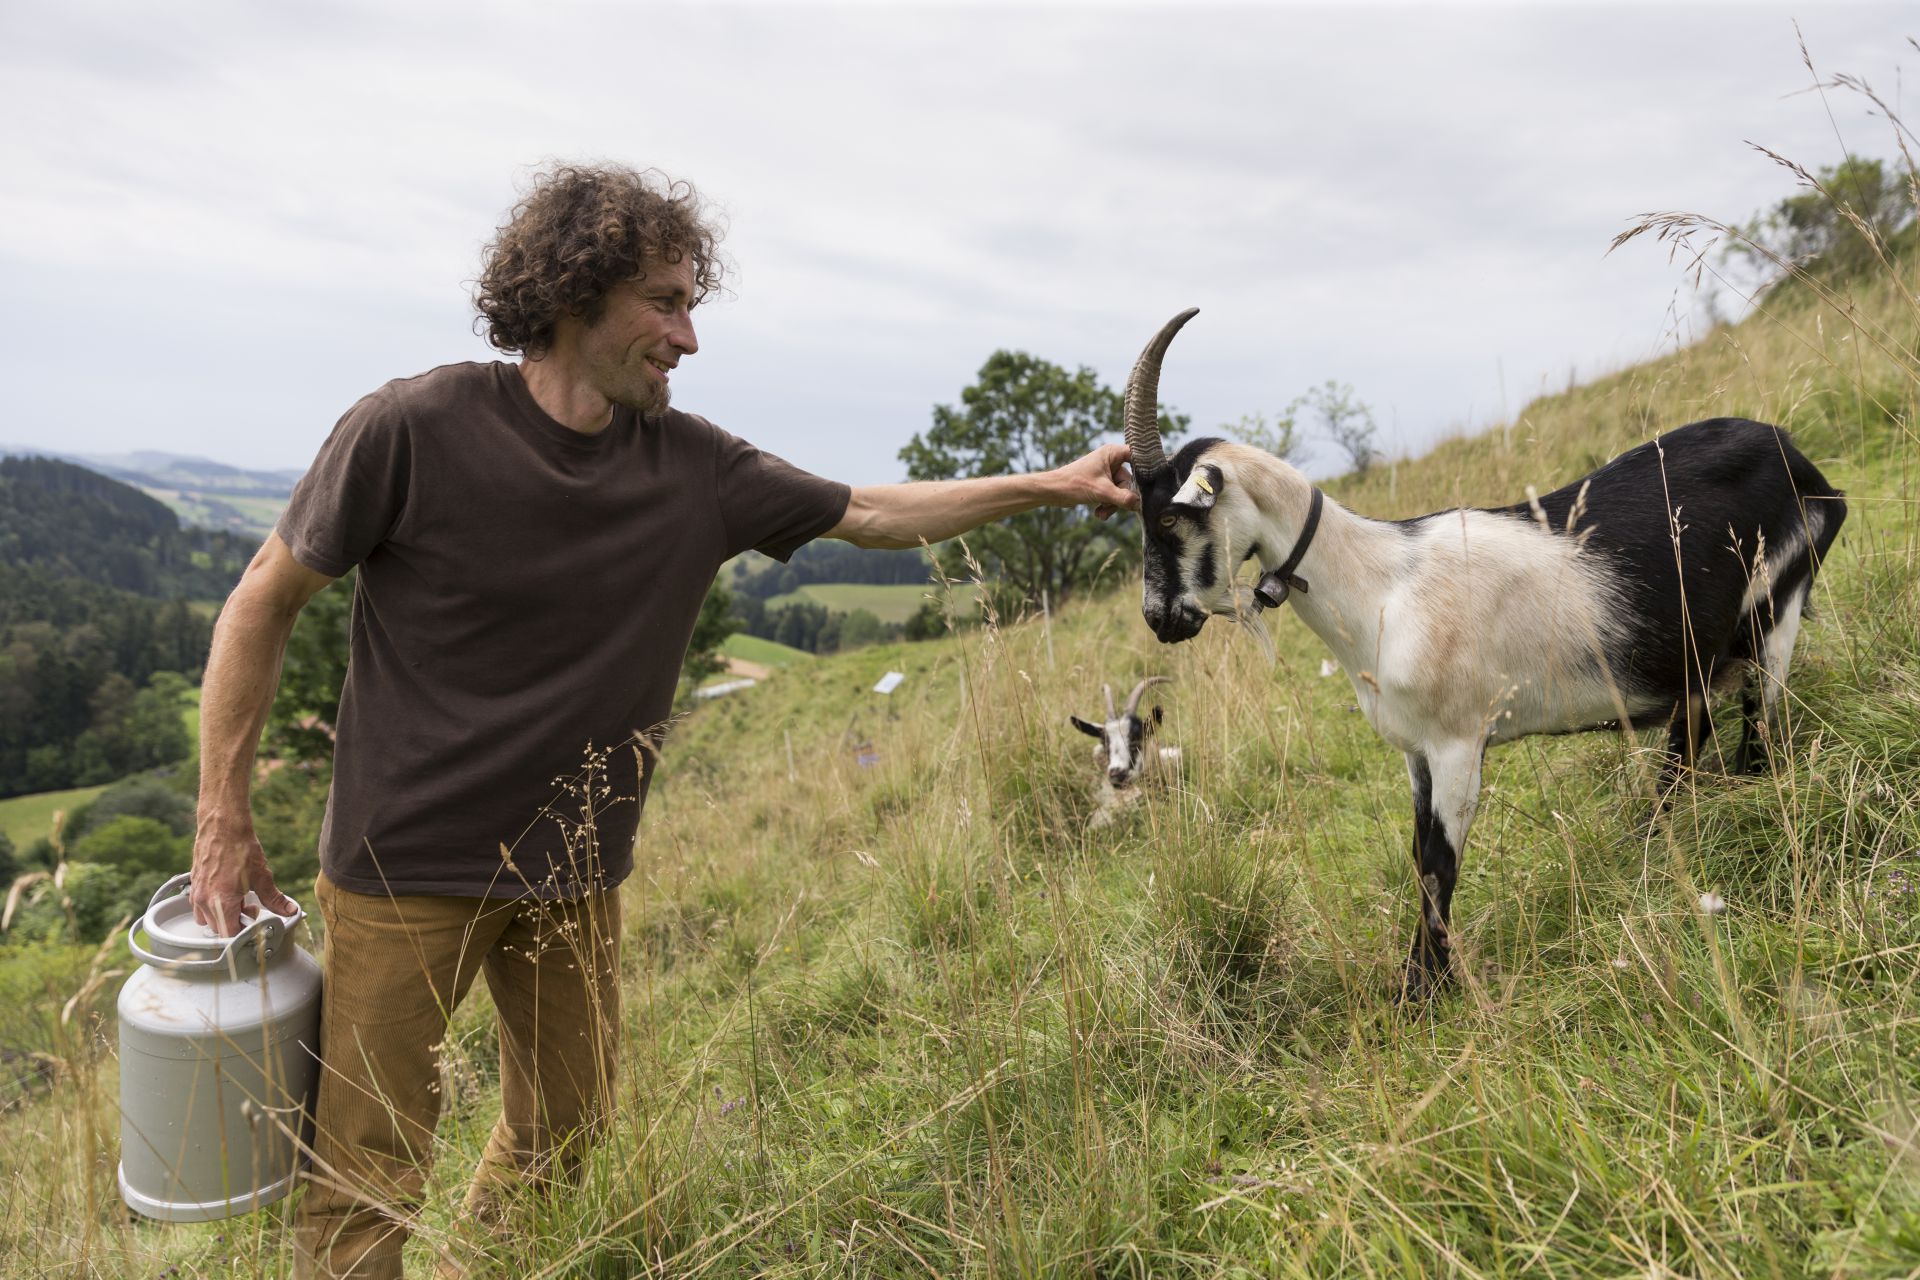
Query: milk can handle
{"x": 268, "y": 927}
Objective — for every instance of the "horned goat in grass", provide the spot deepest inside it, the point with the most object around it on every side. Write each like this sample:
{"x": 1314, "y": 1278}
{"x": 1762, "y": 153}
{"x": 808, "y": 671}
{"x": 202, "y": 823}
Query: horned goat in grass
{"x": 1124, "y": 756}
{"x": 1680, "y": 568}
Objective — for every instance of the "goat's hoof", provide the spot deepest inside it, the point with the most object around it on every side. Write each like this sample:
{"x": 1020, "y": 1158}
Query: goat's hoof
{"x": 1425, "y": 980}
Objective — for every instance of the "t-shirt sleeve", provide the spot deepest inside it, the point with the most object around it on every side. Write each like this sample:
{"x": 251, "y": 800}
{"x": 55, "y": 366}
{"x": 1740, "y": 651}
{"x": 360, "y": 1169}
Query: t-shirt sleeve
{"x": 354, "y": 494}
{"x": 768, "y": 504}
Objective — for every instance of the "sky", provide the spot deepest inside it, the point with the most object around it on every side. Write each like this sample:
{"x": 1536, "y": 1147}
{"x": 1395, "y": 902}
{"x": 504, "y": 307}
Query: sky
{"x": 222, "y": 224}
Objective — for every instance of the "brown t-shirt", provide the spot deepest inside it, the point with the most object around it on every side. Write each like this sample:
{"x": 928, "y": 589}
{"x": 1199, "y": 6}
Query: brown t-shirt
{"x": 525, "y": 597}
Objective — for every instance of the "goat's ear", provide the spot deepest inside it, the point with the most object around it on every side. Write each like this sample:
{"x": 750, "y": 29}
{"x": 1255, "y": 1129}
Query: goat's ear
{"x": 1202, "y": 487}
{"x": 1156, "y": 713}
{"x": 1091, "y": 730}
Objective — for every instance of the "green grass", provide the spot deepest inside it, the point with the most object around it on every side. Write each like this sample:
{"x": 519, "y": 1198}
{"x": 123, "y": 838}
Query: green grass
{"x": 889, "y": 602}
{"x": 914, "y": 1019}
{"x": 765, "y": 652}
{"x": 28, "y": 818}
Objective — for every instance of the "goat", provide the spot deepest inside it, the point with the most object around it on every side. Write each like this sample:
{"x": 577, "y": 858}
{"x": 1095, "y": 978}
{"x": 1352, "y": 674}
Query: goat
{"x": 1623, "y": 598}
{"x": 1124, "y": 755}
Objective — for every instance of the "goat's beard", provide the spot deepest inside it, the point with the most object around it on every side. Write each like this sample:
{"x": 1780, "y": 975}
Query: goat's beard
{"x": 1247, "y": 614}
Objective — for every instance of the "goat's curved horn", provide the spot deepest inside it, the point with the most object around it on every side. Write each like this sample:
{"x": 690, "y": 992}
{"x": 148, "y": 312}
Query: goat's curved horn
{"x": 1133, "y": 699}
{"x": 1108, "y": 690}
{"x": 1143, "y": 400}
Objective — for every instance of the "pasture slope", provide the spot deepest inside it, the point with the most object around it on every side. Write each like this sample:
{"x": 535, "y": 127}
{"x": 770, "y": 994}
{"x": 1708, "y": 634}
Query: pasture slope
{"x": 912, "y": 1020}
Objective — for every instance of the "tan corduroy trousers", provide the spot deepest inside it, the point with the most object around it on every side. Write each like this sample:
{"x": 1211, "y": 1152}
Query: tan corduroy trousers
{"x": 397, "y": 967}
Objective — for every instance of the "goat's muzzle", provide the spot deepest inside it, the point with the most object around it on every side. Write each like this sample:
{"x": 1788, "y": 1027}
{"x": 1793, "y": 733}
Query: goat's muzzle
{"x": 1178, "y": 621}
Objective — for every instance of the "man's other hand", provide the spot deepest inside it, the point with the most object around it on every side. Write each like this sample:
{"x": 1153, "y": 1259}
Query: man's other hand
{"x": 1101, "y": 480}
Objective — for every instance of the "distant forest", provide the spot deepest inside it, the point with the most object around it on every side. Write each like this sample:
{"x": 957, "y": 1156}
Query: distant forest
{"x": 98, "y": 643}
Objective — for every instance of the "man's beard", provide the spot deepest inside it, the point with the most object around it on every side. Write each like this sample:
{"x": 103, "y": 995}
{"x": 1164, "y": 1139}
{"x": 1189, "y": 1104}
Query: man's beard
{"x": 645, "y": 395}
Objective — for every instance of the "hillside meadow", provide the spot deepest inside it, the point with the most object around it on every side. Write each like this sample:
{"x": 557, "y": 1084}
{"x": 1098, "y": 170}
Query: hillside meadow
{"x": 911, "y": 1018}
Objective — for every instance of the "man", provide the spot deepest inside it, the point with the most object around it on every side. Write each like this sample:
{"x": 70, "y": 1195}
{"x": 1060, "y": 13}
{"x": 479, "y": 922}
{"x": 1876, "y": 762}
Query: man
{"x": 534, "y": 543}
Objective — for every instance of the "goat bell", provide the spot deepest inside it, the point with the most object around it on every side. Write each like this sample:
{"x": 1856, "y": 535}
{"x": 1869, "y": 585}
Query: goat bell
{"x": 1272, "y": 590}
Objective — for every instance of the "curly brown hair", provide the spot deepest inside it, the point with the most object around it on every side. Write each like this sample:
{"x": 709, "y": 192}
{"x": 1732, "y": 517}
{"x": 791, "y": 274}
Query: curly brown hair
{"x": 580, "y": 231}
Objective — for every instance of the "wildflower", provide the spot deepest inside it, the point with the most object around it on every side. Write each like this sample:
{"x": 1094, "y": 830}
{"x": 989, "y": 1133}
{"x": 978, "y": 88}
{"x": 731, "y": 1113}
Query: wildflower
{"x": 1712, "y": 904}
{"x": 1622, "y": 963}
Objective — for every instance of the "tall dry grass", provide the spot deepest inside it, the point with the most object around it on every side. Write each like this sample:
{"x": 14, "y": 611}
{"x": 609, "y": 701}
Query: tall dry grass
{"x": 913, "y": 1019}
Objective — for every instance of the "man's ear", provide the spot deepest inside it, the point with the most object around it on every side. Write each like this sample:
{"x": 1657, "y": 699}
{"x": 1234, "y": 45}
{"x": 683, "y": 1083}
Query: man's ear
{"x": 1091, "y": 730}
{"x": 1203, "y": 485}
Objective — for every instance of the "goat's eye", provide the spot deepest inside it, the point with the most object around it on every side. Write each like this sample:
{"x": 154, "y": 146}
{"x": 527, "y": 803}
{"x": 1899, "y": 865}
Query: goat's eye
{"x": 1167, "y": 522}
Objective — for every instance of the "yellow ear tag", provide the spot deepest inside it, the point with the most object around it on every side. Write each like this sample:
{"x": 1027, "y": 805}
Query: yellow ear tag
{"x": 1202, "y": 482}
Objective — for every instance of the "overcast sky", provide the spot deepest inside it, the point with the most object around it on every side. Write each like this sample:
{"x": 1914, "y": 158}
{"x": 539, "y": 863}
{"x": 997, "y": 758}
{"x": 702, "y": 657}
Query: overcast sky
{"x": 222, "y": 224}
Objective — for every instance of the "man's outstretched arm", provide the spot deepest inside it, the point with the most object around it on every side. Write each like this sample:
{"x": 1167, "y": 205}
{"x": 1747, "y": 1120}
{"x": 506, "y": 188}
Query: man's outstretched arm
{"x": 904, "y": 515}
{"x": 242, "y": 672}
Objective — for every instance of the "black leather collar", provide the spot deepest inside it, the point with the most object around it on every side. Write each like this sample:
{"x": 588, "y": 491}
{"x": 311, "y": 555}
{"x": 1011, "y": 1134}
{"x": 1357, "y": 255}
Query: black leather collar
{"x": 1275, "y": 584}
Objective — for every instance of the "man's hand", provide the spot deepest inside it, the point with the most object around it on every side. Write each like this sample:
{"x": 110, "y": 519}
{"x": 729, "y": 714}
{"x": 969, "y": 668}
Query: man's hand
{"x": 227, "y": 862}
{"x": 1101, "y": 480}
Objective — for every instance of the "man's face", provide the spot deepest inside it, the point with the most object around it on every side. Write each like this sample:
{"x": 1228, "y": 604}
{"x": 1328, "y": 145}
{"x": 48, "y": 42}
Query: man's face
{"x": 647, "y": 327}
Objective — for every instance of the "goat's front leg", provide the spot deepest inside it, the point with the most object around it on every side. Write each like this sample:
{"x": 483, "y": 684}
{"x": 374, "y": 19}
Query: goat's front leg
{"x": 1684, "y": 731}
{"x": 1446, "y": 789}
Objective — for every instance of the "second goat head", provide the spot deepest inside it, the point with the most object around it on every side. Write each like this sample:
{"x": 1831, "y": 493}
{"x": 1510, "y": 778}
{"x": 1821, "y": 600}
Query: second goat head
{"x": 1123, "y": 751}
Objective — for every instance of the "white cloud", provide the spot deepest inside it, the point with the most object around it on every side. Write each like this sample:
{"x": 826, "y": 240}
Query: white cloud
{"x": 226, "y": 222}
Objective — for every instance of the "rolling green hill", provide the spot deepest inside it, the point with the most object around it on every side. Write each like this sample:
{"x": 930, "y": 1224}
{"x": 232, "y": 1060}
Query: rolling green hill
{"x": 765, "y": 652}
{"x": 211, "y": 495}
{"x": 889, "y": 602}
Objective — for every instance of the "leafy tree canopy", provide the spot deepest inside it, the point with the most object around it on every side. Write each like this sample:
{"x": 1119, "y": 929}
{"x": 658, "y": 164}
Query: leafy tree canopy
{"x": 1853, "y": 213}
{"x": 306, "y": 705}
{"x": 1025, "y": 414}
{"x": 146, "y": 852}
{"x": 710, "y": 630}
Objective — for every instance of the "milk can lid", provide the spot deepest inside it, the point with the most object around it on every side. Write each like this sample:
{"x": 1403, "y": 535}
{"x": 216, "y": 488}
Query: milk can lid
{"x": 170, "y": 922}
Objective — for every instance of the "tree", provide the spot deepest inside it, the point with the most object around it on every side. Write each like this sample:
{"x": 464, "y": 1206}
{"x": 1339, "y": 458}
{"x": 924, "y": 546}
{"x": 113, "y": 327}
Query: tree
{"x": 141, "y": 796}
{"x": 1345, "y": 419}
{"x": 710, "y": 630}
{"x": 1025, "y": 414}
{"x": 132, "y": 729}
{"x": 88, "y": 903}
{"x": 1281, "y": 437}
{"x": 1855, "y": 211}
{"x": 860, "y": 627}
{"x": 306, "y": 706}
{"x": 142, "y": 850}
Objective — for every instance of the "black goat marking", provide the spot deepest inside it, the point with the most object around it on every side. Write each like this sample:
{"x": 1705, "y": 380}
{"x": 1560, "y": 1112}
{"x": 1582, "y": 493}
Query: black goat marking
{"x": 1164, "y": 580}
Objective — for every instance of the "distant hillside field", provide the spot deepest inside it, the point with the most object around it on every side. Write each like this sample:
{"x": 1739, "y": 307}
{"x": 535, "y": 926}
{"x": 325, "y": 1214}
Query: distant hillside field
{"x": 887, "y": 602}
{"x": 765, "y": 652}
{"x": 25, "y": 819}
{"x": 255, "y": 516}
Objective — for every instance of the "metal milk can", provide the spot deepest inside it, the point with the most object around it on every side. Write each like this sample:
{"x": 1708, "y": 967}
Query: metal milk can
{"x": 219, "y": 1061}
